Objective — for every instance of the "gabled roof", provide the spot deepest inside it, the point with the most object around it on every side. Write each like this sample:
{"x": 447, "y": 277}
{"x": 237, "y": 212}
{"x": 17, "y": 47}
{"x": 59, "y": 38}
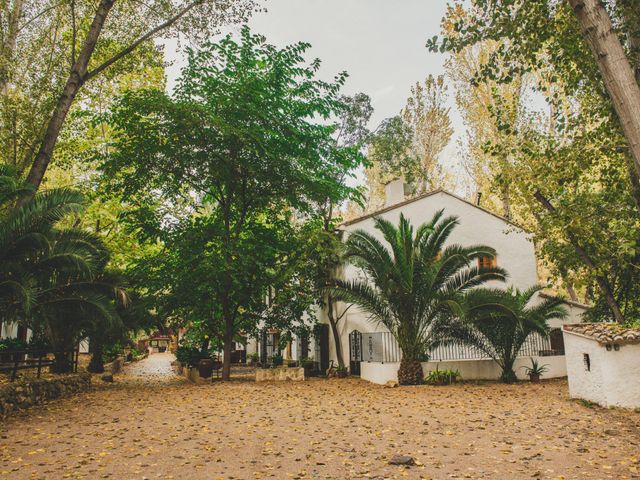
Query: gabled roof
{"x": 422, "y": 197}
{"x": 604, "y": 333}
{"x": 566, "y": 300}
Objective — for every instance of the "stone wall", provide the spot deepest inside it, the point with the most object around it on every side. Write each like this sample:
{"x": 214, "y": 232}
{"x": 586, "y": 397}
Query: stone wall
{"x": 115, "y": 366}
{"x": 19, "y": 395}
{"x": 282, "y": 373}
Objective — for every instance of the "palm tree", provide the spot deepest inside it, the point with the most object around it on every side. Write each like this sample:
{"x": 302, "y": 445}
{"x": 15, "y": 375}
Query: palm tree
{"x": 51, "y": 279}
{"x": 415, "y": 287}
{"x": 498, "y": 322}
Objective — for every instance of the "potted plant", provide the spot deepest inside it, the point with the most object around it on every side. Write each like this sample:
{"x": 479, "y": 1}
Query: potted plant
{"x": 442, "y": 377}
{"x": 342, "y": 372}
{"x": 535, "y": 371}
{"x": 276, "y": 360}
{"x": 252, "y": 359}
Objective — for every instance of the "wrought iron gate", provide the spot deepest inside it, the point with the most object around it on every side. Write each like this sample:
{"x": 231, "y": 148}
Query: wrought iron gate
{"x": 355, "y": 352}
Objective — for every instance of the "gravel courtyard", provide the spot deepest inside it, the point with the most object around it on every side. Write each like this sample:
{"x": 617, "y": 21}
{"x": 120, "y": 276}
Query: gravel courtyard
{"x": 152, "y": 424}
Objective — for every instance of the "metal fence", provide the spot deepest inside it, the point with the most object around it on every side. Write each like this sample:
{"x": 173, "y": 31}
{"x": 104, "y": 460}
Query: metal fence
{"x": 13, "y": 360}
{"x": 382, "y": 347}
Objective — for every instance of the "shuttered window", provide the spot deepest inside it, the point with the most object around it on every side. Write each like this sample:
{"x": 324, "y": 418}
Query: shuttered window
{"x": 487, "y": 262}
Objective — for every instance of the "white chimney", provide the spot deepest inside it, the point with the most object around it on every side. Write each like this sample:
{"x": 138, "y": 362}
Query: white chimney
{"x": 394, "y": 192}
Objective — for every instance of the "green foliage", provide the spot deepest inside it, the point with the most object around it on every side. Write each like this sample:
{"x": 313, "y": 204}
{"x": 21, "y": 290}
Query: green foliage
{"x": 190, "y": 356}
{"x": 408, "y": 145}
{"x": 135, "y": 353}
{"x": 218, "y": 172}
{"x": 111, "y": 352}
{"x": 576, "y": 156}
{"x": 276, "y": 360}
{"x": 535, "y": 368}
{"x": 254, "y": 357}
{"x": 8, "y": 344}
{"x": 416, "y": 285}
{"x": 442, "y": 377}
{"x": 53, "y": 278}
{"x": 498, "y": 323}
{"x": 31, "y": 82}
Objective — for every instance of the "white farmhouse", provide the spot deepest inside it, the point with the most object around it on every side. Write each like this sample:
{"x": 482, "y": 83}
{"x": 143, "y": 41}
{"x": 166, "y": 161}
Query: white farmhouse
{"x": 603, "y": 363}
{"x": 372, "y": 352}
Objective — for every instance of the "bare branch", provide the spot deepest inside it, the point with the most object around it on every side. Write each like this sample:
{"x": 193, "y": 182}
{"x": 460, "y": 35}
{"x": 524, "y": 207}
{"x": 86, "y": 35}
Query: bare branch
{"x": 38, "y": 15}
{"x": 74, "y": 33}
{"x": 142, "y": 39}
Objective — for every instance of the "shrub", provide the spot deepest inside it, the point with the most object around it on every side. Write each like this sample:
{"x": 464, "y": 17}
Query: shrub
{"x": 136, "y": 353}
{"x": 442, "y": 377}
{"x": 307, "y": 362}
{"x": 254, "y": 357}
{"x": 276, "y": 360}
{"x": 11, "y": 344}
{"x": 535, "y": 368}
{"x": 111, "y": 352}
{"x": 190, "y": 355}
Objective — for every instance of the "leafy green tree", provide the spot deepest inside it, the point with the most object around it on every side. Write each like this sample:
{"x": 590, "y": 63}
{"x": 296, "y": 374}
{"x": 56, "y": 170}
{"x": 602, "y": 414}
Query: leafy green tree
{"x": 237, "y": 152}
{"x": 53, "y": 278}
{"x": 499, "y": 322}
{"x": 85, "y": 41}
{"x": 409, "y": 144}
{"x": 416, "y": 286}
{"x": 324, "y": 248}
{"x": 571, "y": 174}
{"x": 588, "y": 42}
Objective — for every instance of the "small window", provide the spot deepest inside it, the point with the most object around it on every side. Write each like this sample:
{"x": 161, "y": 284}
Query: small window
{"x": 487, "y": 262}
{"x": 557, "y": 341}
{"x": 587, "y": 362}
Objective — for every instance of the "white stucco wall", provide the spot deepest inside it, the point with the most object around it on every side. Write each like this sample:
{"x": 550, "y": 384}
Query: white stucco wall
{"x": 469, "y": 369}
{"x": 9, "y": 330}
{"x": 614, "y": 378}
{"x": 515, "y": 253}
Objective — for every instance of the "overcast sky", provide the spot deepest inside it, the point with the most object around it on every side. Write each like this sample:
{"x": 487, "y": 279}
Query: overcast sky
{"x": 380, "y": 43}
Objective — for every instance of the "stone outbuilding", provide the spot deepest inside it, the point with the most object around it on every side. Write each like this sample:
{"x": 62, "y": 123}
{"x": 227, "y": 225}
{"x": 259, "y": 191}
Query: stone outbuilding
{"x": 603, "y": 363}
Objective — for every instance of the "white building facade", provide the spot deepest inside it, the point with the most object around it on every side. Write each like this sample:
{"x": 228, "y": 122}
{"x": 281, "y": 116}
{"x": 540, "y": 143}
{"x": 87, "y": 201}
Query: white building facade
{"x": 603, "y": 364}
{"x": 370, "y": 349}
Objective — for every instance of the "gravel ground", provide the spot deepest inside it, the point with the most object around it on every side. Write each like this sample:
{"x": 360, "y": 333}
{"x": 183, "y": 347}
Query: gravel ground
{"x": 152, "y": 424}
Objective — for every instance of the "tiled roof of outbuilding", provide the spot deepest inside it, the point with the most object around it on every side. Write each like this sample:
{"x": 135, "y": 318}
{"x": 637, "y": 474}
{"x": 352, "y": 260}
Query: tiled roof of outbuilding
{"x": 605, "y": 333}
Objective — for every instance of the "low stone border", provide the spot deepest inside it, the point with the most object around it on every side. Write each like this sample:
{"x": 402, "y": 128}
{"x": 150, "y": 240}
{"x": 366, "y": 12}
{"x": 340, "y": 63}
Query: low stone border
{"x": 281, "y": 373}
{"x": 190, "y": 373}
{"x": 20, "y": 395}
{"x": 115, "y": 366}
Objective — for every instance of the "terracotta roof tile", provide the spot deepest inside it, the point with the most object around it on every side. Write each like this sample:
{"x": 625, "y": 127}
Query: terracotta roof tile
{"x": 605, "y": 333}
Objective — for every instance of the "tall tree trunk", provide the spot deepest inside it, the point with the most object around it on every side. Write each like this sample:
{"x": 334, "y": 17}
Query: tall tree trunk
{"x": 508, "y": 375}
{"x": 601, "y": 280}
{"x": 96, "y": 365}
{"x": 615, "y": 68}
{"x": 227, "y": 348}
{"x": 76, "y": 79}
{"x": 505, "y": 197}
{"x": 571, "y": 291}
{"x": 334, "y": 330}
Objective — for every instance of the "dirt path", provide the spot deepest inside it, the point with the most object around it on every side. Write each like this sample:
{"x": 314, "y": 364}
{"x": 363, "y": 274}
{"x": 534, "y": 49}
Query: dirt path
{"x": 151, "y": 424}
